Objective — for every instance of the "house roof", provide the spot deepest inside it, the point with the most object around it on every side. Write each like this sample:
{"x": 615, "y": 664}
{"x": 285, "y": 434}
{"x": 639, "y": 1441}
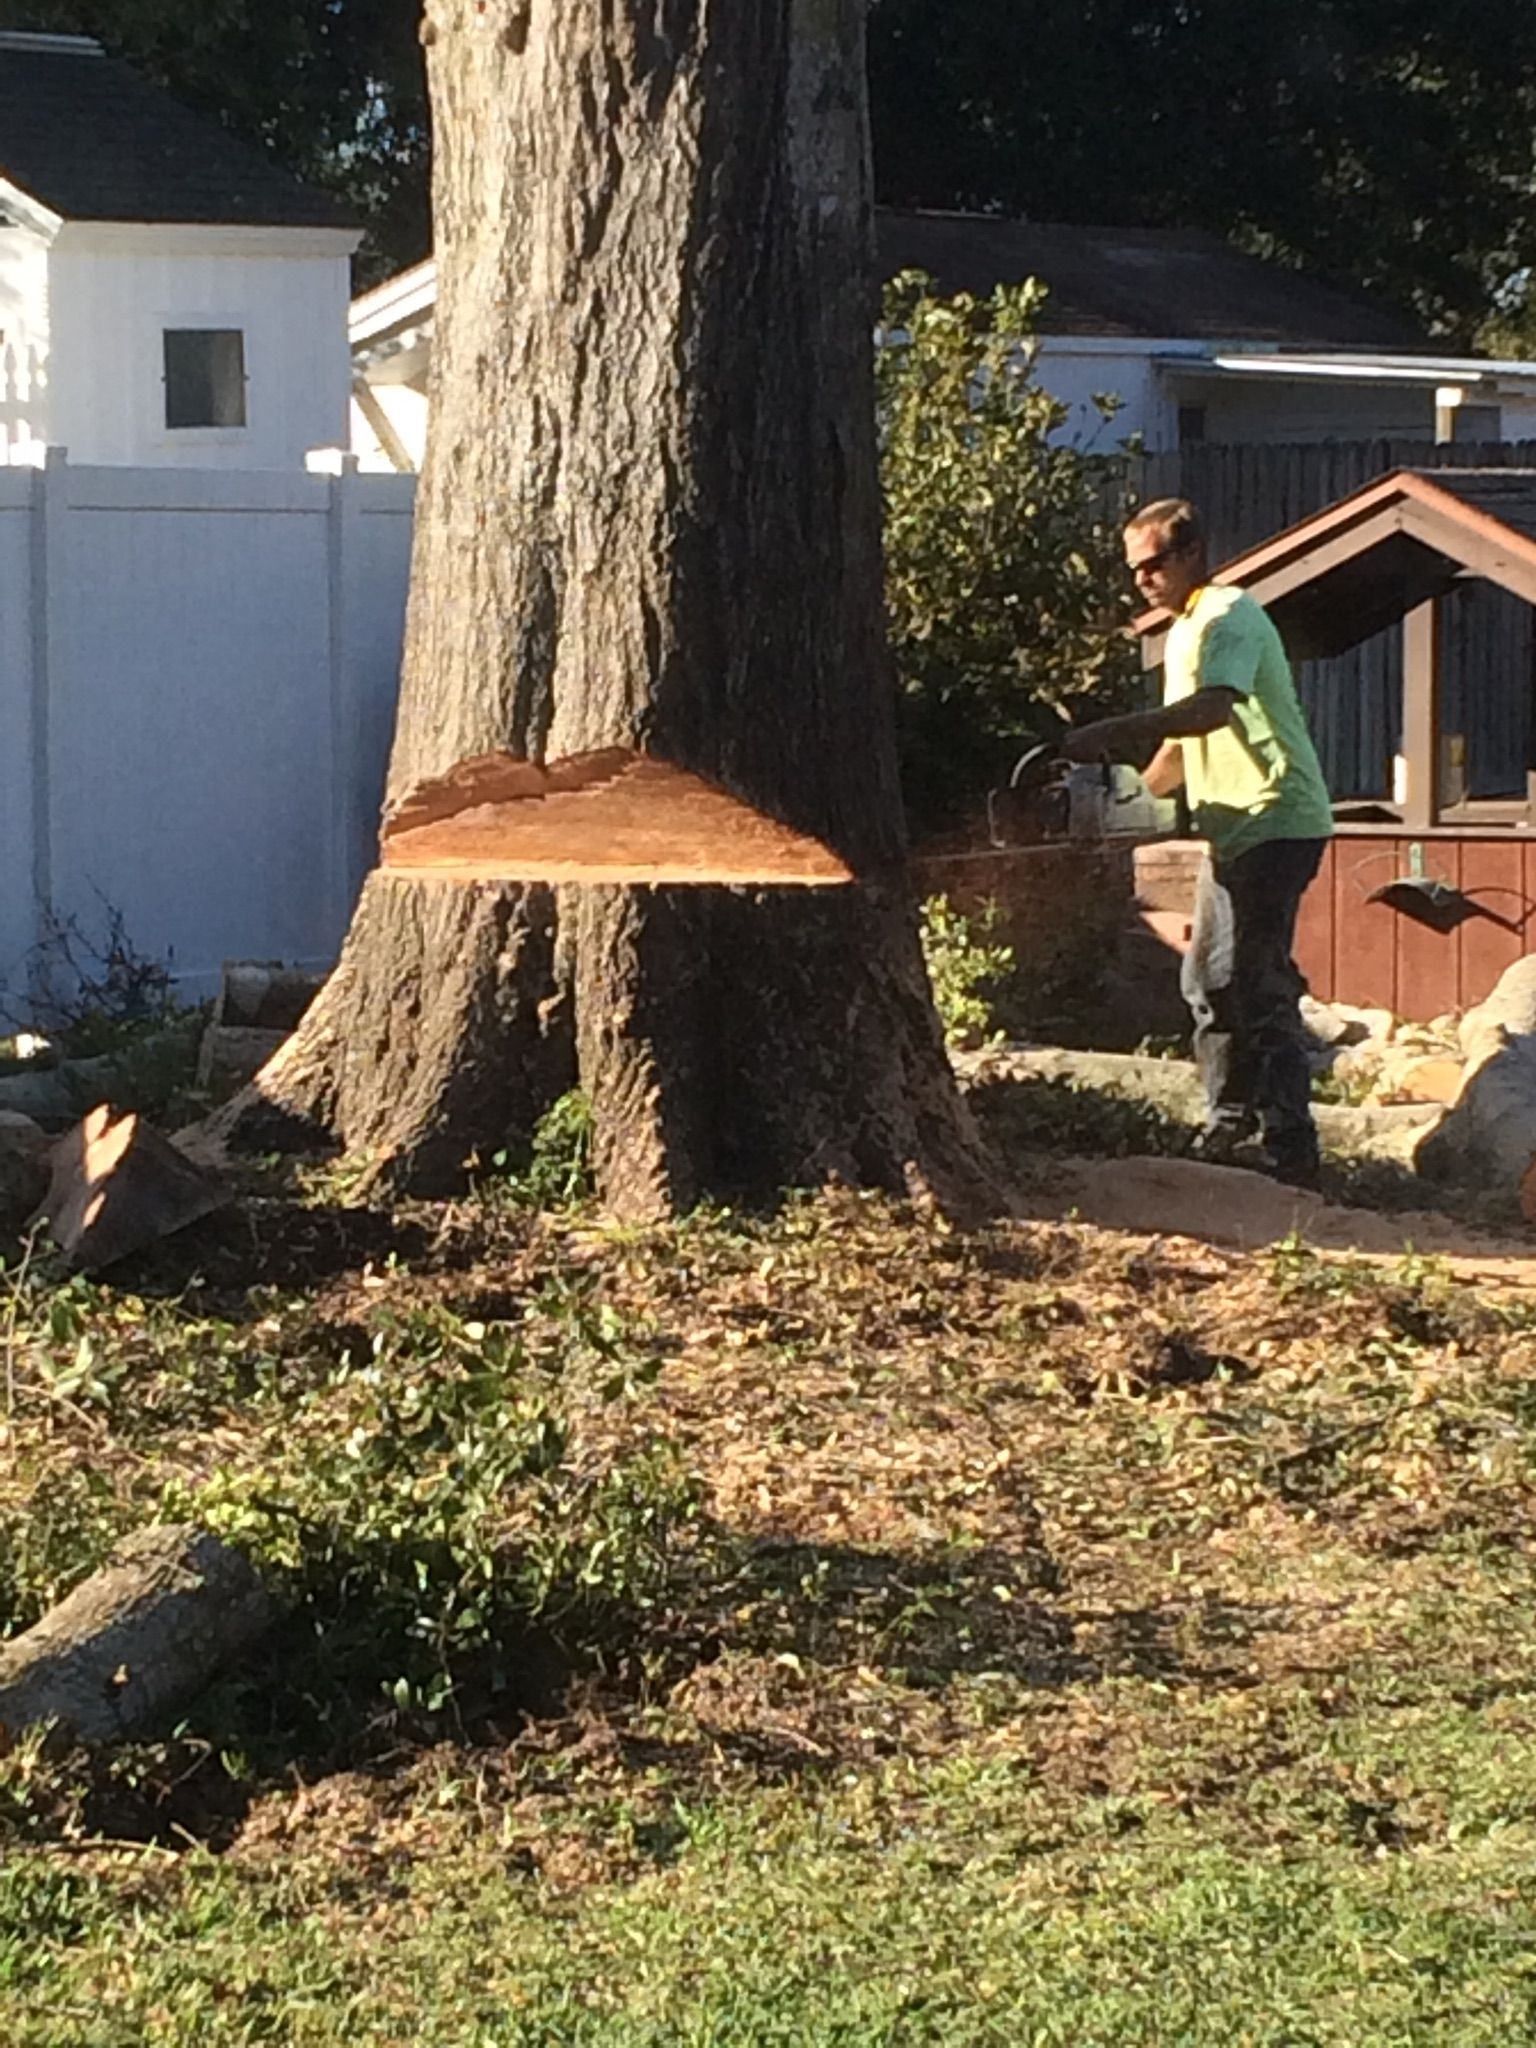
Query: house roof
{"x": 1362, "y": 563}
{"x": 91, "y": 140}
{"x": 1138, "y": 282}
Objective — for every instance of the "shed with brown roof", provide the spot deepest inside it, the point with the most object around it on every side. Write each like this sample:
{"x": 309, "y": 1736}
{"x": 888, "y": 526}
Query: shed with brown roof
{"x": 1426, "y": 898}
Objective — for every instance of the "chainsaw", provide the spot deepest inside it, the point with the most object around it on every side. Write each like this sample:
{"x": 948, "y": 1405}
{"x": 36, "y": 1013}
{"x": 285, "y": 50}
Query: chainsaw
{"x": 1047, "y": 798}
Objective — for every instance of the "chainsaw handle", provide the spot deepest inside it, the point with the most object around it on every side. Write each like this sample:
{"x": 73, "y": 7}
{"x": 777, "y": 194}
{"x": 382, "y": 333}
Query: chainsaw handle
{"x": 1028, "y": 759}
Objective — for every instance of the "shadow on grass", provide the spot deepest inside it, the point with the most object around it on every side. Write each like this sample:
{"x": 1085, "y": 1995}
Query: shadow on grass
{"x": 773, "y": 1661}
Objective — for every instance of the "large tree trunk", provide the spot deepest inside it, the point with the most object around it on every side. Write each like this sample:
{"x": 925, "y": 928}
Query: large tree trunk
{"x": 649, "y": 519}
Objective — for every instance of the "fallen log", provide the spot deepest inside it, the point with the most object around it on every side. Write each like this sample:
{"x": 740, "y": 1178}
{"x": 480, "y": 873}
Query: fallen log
{"x": 116, "y": 1185}
{"x": 170, "y": 1609}
{"x": 264, "y": 995}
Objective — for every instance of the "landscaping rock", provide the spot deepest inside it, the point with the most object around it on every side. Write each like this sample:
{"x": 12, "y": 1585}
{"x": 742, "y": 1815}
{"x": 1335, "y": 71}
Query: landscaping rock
{"x": 1382, "y": 1130}
{"x": 1489, "y": 1138}
{"x": 1336, "y": 1025}
{"x": 1423, "y": 1077}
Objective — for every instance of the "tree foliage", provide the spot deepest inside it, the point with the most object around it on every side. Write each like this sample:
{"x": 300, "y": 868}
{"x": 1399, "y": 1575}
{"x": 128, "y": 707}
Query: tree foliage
{"x": 1005, "y": 585}
{"x": 1383, "y": 143}
{"x": 1386, "y": 144}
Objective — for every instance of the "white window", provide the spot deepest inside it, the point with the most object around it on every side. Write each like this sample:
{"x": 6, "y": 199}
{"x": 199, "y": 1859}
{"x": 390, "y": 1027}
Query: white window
{"x": 204, "y": 377}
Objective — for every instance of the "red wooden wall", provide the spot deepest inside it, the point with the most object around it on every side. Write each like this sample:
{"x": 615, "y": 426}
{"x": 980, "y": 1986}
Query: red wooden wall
{"x": 1354, "y": 951}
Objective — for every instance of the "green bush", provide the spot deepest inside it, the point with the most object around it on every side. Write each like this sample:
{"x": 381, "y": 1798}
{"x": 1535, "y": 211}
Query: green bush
{"x": 1006, "y": 592}
{"x": 967, "y": 972}
{"x": 432, "y": 1501}
{"x": 558, "y": 1172}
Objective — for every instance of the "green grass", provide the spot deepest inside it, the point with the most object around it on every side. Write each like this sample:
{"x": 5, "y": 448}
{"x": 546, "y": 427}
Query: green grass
{"x": 949, "y": 1905}
{"x": 826, "y": 1629}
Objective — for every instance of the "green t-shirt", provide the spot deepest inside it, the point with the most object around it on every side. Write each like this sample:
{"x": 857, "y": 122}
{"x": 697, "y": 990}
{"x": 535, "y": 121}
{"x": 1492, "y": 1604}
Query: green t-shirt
{"x": 1258, "y": 777}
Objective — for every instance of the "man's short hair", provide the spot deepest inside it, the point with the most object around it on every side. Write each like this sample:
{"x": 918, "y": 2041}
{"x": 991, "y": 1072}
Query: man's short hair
{"x": 1174, "y": 516}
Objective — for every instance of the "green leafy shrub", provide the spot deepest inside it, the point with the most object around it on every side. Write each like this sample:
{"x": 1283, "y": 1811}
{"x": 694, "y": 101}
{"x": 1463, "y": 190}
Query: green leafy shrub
{"x": 967, "y": 971}
{"x": 1005, "y": 585}
{"x": 558, "y": 1173}
{"x": 431, "y": 1502}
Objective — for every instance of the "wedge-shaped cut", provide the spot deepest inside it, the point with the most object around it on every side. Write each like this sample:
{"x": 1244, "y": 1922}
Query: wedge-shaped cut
{"x": 613, "y": 816}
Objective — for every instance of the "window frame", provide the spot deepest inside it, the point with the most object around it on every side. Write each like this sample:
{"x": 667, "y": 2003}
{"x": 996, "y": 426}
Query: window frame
{"x": 202, "y": 323}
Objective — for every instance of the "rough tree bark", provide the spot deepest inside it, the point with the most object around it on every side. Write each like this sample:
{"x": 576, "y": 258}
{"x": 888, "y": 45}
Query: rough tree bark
{"x": 649, "y": 518}
{"x": 170, "y": 1609}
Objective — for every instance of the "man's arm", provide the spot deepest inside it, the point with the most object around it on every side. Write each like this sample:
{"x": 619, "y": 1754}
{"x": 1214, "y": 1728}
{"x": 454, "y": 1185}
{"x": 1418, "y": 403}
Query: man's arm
{"x": 1164, "y": 773}
{"x": 1121, "y": 738}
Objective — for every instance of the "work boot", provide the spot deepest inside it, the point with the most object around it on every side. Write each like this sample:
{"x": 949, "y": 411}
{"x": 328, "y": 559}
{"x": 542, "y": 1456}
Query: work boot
{"x": 1297, "y": 1166}
{"x": 1227, "y": 1141}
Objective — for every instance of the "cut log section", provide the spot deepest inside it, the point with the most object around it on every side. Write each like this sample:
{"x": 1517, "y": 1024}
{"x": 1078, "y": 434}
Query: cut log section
{"x": 612, "y": 816}
{"x": 229, "y": 1054}
{"x": 150, "y": 1630}
{"x": 116, "y": 1185}
{"x": 264, "y": 995}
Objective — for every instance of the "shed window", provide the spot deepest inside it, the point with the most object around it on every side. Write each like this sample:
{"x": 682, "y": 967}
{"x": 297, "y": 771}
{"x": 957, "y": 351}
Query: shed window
{"x": 204, "y": 377}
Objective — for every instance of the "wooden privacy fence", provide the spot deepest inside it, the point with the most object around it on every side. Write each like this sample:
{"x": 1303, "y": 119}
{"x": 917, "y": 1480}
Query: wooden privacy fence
{"x": 1354, "y": 702}
{"x": 198, "y": 674}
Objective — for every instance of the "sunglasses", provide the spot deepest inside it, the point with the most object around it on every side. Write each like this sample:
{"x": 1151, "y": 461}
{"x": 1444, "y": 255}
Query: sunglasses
{"x": 1150, "y": 564}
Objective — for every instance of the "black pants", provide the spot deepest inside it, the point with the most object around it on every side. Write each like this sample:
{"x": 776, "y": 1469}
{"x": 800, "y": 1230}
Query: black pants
{"x": 1245, "y": 992}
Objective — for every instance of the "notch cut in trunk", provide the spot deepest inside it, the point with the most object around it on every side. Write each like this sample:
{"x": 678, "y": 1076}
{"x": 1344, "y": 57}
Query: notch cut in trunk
{"x": 610, "y": 816}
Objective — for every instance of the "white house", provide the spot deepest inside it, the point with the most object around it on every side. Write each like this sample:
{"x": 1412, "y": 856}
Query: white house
{"x": 167, "y": 294}
{"x": 1197, "y": 341}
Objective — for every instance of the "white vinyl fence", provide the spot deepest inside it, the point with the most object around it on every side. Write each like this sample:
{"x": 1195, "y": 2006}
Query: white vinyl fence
{"x": 198, "y": 673}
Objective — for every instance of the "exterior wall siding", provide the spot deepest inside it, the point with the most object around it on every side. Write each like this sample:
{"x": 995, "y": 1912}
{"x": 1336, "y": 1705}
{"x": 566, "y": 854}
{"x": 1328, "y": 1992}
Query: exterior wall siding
{"x": 1073, "y": 373}
{"x": 106, "y": 366}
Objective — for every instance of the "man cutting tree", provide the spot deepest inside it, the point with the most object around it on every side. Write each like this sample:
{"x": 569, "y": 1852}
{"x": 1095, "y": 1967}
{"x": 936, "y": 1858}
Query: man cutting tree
{"x": 1231, "y": 733}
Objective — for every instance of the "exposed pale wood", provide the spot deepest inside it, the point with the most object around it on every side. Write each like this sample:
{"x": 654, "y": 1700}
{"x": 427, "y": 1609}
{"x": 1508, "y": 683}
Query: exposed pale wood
{"x": 117, "y": 1185}
{"x": 1421, "y": 715}
{"x": 614, "y": 816}
{"x": 367, "y": 403}
{"x": 138, "y": 1639}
